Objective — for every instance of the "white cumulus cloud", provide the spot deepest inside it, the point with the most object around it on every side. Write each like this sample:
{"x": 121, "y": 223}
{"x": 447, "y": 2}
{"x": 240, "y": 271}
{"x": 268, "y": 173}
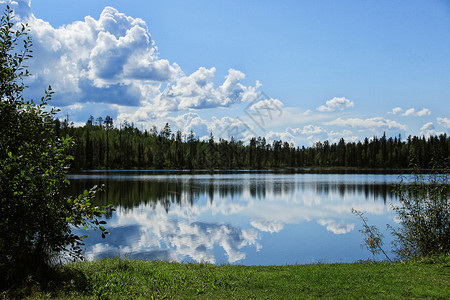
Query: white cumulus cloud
{"x": 347, "y": 135}
{"x": 192, "y": 122}
{"x": 395, "y": 111}
{"x": 197, "y": 91}
{"x": 312, "y": 129}
{"x": 370, "y": 123}
{"x": 308, "y": 133}
{"x": 113, "y": 59}
{"x": 268, "y": 105}
{"x": 445, "y": 122}
{"x": 340, "y": 103}
{"x": 427, "y": 126}
{"x": 412, "y": 112}
{"x": 428, "y": 129}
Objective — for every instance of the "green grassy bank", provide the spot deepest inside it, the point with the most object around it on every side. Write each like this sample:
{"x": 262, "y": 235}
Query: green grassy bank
{"x": 130, "y": 279}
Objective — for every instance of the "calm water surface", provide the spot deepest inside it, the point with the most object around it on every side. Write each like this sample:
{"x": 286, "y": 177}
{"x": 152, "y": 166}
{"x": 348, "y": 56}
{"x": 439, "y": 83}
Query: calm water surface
{"x": 246, "y": 218}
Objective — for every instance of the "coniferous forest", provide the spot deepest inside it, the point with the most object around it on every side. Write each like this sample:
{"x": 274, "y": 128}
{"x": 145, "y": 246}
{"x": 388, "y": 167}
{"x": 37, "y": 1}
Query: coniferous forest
{"x": 101, "y": 145}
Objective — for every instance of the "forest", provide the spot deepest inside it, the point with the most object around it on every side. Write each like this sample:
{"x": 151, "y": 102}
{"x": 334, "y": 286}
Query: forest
{"x": 101, "y": 145}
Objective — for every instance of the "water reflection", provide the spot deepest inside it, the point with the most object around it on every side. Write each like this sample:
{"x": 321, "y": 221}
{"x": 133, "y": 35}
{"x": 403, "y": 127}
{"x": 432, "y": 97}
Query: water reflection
{"x": 156, "y": 235}
{"x": 237, "y": 218}
{"x": 131, "y": 191}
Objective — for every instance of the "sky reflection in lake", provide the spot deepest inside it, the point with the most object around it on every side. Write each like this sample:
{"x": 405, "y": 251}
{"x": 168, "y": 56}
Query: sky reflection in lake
{"x": 242, "y": 218}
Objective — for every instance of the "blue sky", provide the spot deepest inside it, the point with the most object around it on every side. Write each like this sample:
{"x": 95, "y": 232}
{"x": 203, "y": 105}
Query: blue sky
{"x": 300, "y": 71}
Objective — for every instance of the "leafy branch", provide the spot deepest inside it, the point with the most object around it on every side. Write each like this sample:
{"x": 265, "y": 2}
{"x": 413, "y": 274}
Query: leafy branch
{"x": 373, "y": 240}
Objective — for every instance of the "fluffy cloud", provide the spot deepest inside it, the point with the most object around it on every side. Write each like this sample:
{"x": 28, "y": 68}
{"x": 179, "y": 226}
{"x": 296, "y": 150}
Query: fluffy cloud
{"x": 309, "y": 133}
{"x": 227, "y": 128}
{"x": 267, "y": 105}
{"x": 284, "y": 136}
{"x": 347, "y": 135}
{"x": 336, "y": 103}
{"x": 123, "y": 51}
{"x": 192, "y": 122}
{"x": 411, "y": 112}
{"x": 395, "y": 111}
{"x": 109, "y": 60}
{"x": 427, "y": 126}
{"x": 312, "y": 129}
{"x": 445, "y": 122}
{"x": 113, "y": 59}
{"x": 222, "y": 128}
{"x": 197, "y": 91}
{"x": 371, "y": 123}
{"x": 428, "y": 129}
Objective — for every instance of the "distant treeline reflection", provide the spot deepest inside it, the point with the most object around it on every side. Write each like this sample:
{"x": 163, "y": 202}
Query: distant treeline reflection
{"x": 183, "y": 191}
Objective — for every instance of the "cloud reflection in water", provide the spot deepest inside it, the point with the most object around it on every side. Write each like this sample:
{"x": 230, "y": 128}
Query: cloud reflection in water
{"x": 222, "y": 218}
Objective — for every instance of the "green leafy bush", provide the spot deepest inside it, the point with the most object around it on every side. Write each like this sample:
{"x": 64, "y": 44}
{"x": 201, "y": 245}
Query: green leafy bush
{"x": 35, "y": 218}
{"x": 424, "y": 215}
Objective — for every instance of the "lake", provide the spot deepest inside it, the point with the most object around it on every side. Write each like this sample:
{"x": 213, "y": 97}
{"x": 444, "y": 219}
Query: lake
{"x": 246, "y": 218}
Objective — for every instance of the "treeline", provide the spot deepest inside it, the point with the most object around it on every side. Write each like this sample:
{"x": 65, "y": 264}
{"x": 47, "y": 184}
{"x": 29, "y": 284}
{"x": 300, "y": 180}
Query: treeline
{"x": 101, "y": 145}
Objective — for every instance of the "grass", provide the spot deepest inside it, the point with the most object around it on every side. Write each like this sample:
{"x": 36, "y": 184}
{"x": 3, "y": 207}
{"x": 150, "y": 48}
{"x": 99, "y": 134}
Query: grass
{"x": 132, "y": 279}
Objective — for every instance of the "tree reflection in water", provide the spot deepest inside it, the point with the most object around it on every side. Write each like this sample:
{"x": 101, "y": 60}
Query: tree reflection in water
{"x": 215, "y": 217}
